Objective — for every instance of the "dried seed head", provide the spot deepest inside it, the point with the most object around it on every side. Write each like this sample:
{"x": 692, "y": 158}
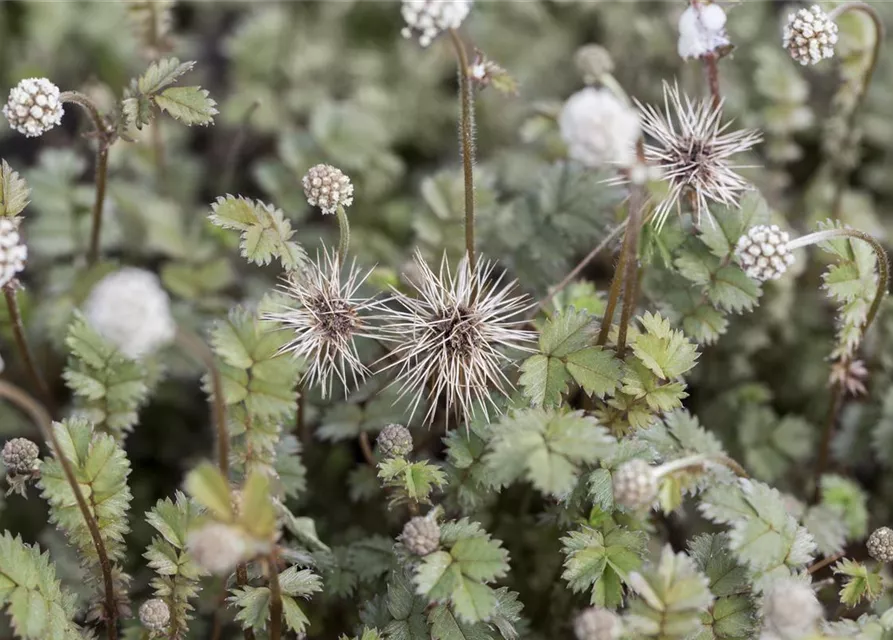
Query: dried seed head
{"x": 20, "y": 456}
{"x": 155, "y": 615}
{"x": 596, "y": 623}
{"x": 421, "y": 536}
{"x": 702, "y": 31}
{"x": 33, "y": 107}
{"x": 395, "y": 441}
{"x": 427, "y": 19}
{"x": 763, "y": 252}
{"x": 217, "y": 548}
{"x": 635, "y": 484}
{"x": 791, "y": 610}
{"x": 328, "y": 188}
{"x": 850, "y": 374}
{"x": 810, "y": 35}
{"x": 13, "y": 252}
{"x": 880, "y": 545}
{"x": 130, "y": 309}
{"x": 593, "y": 62}
{"x": 599, "y": 129}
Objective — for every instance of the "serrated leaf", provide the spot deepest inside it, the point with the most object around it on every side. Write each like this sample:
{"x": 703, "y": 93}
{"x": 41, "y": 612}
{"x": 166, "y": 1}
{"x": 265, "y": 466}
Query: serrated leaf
{"x": 861, "y": 583}
{"x": 602, "y": 561}
{"x": 210, "y": 489}
{"x": 662, "y": 349}
{"x": 597, "y": 371}
{"x": 161, "y": 74}
{"x": 14, "y": 191}
{"x": 265, "y": 232}
{"x": 189, "y": 105}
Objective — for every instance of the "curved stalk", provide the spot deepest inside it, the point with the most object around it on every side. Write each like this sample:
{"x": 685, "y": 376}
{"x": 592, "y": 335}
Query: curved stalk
{"x": 699, "y": 460}
{"x": 18, "y": 334}
{"x": 366, "y": 447}
{"x": 45, "y": 424}
{"x": 343, "y": 235}
{"x": 466, "y": 130}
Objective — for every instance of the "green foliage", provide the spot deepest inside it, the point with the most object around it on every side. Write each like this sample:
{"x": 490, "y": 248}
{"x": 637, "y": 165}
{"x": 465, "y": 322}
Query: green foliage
{"x": 253, "y": 603}
{"x": 602, "y": 561}
{"x": 732, "y": 614}
{"x": 860, "y": 583}
{"x": 410, "y": 481}
{"x": 772, "y": 444}
{"x": 110, "y": 387}
{"x": 849, "y": 500}
{"x": 14, "y": 191}
{"x": 190, "y": 105}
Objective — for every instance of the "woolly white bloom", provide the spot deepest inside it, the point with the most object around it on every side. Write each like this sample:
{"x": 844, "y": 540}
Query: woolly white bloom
{"x": 692, "y": 150}
{"x": 635, "y": 484}
{"x": 596, "y": 623}
{"x": 326, "y": 320}
{"x": 810, "y": 35}
{"x": 130, "y": 309}
{"x": 33, "y": 107}
{"x": 790, "y": 610}
{"x": 328, "y": 188}
{"x": 598, "y": 128}
{"x": 702, "y": 31}
{"x": 763, "y": 252}
{"x": 155, "y": 615}
{"x": 427, "y": 19}
{"x": 452, "y": 336}
{"x": 218, "y": 548}
{"x": 13, "y": 251}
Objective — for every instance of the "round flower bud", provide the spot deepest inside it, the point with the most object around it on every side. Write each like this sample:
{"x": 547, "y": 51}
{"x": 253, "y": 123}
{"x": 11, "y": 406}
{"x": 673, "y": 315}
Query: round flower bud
{"x": 130, "y": 309}
{"x": 13, "y": 251}
{"x": 790, "y": 610}
{"x": 155, "y": 614}
{"x": 810, "y": 35}
{"x": 421, "y": 536}
{"x": 327, "y": 188}
{"x": 20, "y": 456}
{"x": 763, "y": 252}
{"x": 598, "y": 128}
{"x": 395, "y": 441}
{"x": 217, "y": 548}
{"x": 635, "y": 484}
{"x": 596, "y": 623}
{"x": 427, "y": 19}
{"x": 702, "y": 31}
{"x": 880, "y": 544}
{"x": 33, "y": 107}
{"x": 593, "y": 62}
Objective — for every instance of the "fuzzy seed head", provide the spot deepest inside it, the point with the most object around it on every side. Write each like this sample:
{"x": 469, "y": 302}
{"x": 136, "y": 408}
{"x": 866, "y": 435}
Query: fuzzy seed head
{"x": 326, "y": 315}
{"x": 427, "y": 19}
{"x": 880, "y": 545}
{"x": 692, "y": 149}
{"x": 20, "y": 456}
{"x": 217, "y": 548}
{"x": 421, "y": 536}
{"x": 599, "y": 129}
{"x": 593, "y": 62}
{"x": 702, "y": 31}
{"x": 596, "y": 623}
{"x": 635, "y": 484}
{"x": 13, "y": 252}
{"x": 394, "y": 441}
{"x": 328, "y": 188}
{"x": 130, "y": 309}
{"x": 763, "y": 252}
{"x": 790, "y": 610}
{"x": 155, "y": 615}
{"x": 33, "y": 107}
{"x": 452, "y": 337}
{"x": 810, "y": 35}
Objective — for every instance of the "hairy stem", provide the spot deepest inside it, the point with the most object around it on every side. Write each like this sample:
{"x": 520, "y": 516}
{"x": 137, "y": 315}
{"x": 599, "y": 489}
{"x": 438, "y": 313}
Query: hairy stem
{"x": 613, "y": 297}
{"x": 242, "y": 580}
{"x": 367, "y": 448}
{"x": 343, "y": 235}
{"x": 275, "y": 597}
{"x": 827, "y": 432}
{"x": 158, "y": 152}
{"x": 18, "y": 334}
{"x": 631, "y": 248}
{"x": 197, "y": 347}
{"x": 824, "y": 562}
{"x": 466, "y": 130}
{"x": 699, "y": 460}
{"x": 45, "y": 424}
{"x": 711, "y": 66}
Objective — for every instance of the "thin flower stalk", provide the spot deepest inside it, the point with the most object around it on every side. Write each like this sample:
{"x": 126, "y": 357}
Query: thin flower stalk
{"x": 466, "y": 131}
{"x": 343, "y": 234}
{"x": 631, "y": 267}
{"x": 18, "y": 334}
{"x": 275, "y": 596}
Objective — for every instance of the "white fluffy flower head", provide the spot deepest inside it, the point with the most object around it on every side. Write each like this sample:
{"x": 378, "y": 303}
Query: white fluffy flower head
{"x": 763, "y": 252}
{"x": 599, "y": 129}
{"x": 130, "y": 309}
{"x": 692, "y": 149}
{"x": 427, "y": 19}
{"x": 33, "y": 107}
{"x": 790, "y": 610}
{"x": 810, "y": 35}
{"x": 451, "y": 338}
{"x": 702, "y": 31}
{"x": 218, "y": 548}
{"x": 13, "y": 251}
{"x": 326, "y": 318}
{"x": 328, "y": 188}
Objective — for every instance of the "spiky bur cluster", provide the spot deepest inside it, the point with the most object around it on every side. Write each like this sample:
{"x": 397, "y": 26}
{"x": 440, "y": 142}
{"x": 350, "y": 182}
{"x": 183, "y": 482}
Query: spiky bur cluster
{"x": 763, "y": 252}
{"x": 328, "y": 188}
{"x": 596, "y": 623}
{"x": 452, "y": 337}
{"x": 427, "y": 19}
{"x": 598, "y": 128}
{"x": 22, "y": 462}
{"x": 880, "y": 545}
{"x": 692, "y": 149}
{"x": 155, "y": 615}
{"x": 635, "y": 484}
{"x": 790, "y": 610}
{"x": 810, "y": 35}
{"x": 394, "y": 441}
{"x": 702, "y": 31}
{"x": 34, "y": 107}
{"x": 421, "y": 536}
{"x": 13, "y": 252}
{"x": 326, "y": 317}
{"x": 131, "y": 310}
